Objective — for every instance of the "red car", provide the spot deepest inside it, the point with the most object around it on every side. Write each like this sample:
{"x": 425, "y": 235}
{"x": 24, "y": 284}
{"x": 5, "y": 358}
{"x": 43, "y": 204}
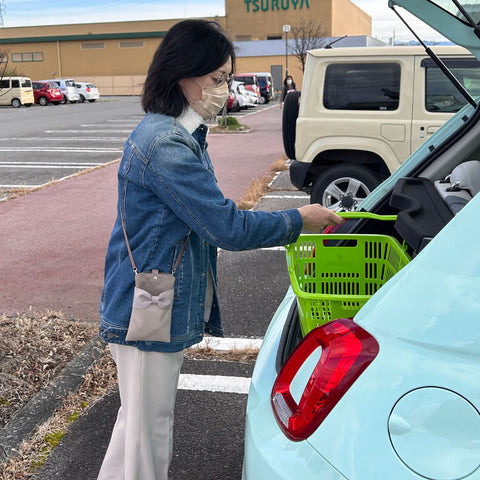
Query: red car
{"x": 232, "y": 102}
{"x": 46, "y": 92}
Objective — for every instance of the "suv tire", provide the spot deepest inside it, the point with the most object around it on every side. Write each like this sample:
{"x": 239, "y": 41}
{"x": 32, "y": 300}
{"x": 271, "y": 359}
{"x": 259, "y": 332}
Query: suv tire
{"x": 343, "y": 187}
{"x": 291, "y": 106}
{"x": 43, "y": 101}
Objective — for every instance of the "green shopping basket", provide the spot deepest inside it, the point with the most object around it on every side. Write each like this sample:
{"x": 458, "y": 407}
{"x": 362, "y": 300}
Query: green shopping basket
{"x": 334, "y": 275}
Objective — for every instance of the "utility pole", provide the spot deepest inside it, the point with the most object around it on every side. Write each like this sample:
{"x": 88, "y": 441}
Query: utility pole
{"x": 286, "y": 29}
{"x": 2, "y": 9}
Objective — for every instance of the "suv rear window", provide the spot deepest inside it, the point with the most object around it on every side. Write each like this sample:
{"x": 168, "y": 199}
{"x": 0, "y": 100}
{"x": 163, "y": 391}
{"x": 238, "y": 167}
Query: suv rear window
{"x": 362, "y": 86}
{"x": 441, "y": 95}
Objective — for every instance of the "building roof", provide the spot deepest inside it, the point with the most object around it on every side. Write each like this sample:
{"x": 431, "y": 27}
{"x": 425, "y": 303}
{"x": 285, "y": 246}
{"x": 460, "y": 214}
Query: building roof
{"x": 264, "y": 48}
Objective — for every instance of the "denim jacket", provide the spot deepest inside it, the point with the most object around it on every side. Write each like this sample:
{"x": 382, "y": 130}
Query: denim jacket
{"x": 167, "y": 191}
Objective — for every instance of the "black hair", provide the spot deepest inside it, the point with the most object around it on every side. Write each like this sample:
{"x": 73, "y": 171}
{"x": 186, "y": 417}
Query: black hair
{"x": 191, "y": 48}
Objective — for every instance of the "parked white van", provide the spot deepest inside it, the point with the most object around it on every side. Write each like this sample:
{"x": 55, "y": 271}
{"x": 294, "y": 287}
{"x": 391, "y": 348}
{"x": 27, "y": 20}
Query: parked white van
{"x": 67, "y": 86}
{"x": 16, "y": 91}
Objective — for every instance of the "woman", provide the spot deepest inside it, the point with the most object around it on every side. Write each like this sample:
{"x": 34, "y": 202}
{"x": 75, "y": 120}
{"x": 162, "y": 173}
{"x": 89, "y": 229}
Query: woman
{"x": 288, "y": 86}
{"x": 175, "y": 215}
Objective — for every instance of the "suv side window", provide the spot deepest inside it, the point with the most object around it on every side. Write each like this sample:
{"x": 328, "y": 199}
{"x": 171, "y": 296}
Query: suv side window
{"x": 440, "y": 94}
{"x": 362, "y": 86}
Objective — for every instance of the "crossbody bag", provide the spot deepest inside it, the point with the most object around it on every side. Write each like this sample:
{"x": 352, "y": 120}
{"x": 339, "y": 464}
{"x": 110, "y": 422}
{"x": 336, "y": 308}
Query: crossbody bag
{"x": 151, "y": 316}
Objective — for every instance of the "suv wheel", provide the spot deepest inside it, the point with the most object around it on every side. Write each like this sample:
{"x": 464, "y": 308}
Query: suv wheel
{"x": 343, "y": 187}
{"x": 16, "y": 103}
{"x": 291, "y": 106}
{"x": 82, "y": 99}
{"x": 43, "y": 101}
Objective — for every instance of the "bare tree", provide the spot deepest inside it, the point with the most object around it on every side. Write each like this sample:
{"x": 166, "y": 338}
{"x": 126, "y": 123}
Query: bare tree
{"x": 5, "y": 70}
{"x": 307, "y": 35}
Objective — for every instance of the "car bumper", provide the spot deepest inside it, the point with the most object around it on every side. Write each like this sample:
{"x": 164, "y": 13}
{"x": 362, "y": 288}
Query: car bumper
{"x": 298, "y": 173}
{"x": 269, "y": 454}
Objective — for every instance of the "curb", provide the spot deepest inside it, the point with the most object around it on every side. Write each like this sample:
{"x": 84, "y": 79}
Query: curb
{"x": 43, "y": 405}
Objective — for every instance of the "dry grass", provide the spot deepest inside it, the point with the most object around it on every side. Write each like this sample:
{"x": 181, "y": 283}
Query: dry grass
{"x": 33, "y": 350}
{"x": 99, "y": 380}
{"x": 261, "y": 185}
{"x": 248, "y": 355}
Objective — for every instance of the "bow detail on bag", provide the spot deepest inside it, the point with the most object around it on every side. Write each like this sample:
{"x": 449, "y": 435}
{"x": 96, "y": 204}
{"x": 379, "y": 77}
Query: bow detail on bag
{"x": 142, "y": 299}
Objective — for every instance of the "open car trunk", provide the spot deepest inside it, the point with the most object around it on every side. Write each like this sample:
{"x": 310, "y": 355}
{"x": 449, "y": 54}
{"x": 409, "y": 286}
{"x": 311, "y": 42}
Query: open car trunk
{"x": 424, "y": 203}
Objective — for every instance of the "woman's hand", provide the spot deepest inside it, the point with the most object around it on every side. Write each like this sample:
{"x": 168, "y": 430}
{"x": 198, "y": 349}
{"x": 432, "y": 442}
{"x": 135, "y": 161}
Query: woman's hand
{"x": 316, "y": 218}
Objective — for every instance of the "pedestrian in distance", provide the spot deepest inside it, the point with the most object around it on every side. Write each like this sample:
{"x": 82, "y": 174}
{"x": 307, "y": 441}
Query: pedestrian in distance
{"x": 288, "y": 86}
{"x": 171, "y": 218}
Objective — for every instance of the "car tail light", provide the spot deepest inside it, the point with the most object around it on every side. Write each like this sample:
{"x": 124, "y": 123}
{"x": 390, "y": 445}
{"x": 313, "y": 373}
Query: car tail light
{"x": 346, "y": 351}
{"x": 88, "y": 89}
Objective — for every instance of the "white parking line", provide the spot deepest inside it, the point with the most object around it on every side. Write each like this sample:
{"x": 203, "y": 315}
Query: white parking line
{"x": 300, "y": 195}
{"x": 211, "y": 383}
{"x": 19, "y": 186}
{"x": 57, "y": 139}
{"x": 48, "y": 164}
{"x": 101, "y": 127}
{"x": 60, "y": 149}
{"x": 229, "y": 344}
{"x": 88, "y": 131}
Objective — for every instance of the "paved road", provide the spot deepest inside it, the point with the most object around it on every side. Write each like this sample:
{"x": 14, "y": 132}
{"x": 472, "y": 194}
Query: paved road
{"x": 41, "y": 144}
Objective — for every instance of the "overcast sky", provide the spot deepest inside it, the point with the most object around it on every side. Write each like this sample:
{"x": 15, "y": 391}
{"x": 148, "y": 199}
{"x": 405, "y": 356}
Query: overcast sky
{"x": 17, "y": 13}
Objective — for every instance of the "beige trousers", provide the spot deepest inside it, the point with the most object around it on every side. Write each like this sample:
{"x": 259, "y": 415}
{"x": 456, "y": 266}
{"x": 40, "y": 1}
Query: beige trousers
{"x": 141, "y": 444}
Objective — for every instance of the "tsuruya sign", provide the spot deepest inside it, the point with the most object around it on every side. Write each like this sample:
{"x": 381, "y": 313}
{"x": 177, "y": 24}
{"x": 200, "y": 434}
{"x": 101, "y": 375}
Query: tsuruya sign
{"x": 266, "y": 5}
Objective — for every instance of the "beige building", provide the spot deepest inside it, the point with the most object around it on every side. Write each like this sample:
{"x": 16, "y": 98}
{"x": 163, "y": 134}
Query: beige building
{"x": 115, "y": 56}
{"x": 264, "y": 19}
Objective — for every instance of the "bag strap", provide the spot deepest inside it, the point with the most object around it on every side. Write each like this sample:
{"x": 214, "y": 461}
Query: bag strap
{"x": 134, "y": 266}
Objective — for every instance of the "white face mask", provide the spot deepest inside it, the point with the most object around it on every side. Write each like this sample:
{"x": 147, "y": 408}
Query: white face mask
{"x": 289, "y": 82}
{"x": 213, "y": 99}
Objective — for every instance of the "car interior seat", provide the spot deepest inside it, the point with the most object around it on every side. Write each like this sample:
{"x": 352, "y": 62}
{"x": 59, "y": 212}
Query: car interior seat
{"x": 458, "y": 188}
{"x": 425, "y": 207}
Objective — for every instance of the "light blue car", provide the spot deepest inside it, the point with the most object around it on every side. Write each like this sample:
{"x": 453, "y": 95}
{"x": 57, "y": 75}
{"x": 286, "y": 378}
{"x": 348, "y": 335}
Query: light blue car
{"x": 394, "y": 392}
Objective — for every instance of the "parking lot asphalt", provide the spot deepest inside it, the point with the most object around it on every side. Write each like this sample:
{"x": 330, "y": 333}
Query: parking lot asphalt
{"x": 252, "y": 285}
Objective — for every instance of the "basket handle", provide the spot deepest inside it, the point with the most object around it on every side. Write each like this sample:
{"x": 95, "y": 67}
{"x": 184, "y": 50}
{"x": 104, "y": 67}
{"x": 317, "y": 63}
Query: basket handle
{"x": 371, "y": 216}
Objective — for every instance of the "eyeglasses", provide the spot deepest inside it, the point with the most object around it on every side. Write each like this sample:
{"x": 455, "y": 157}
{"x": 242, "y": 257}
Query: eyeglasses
{"x": 224, "y": 78}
